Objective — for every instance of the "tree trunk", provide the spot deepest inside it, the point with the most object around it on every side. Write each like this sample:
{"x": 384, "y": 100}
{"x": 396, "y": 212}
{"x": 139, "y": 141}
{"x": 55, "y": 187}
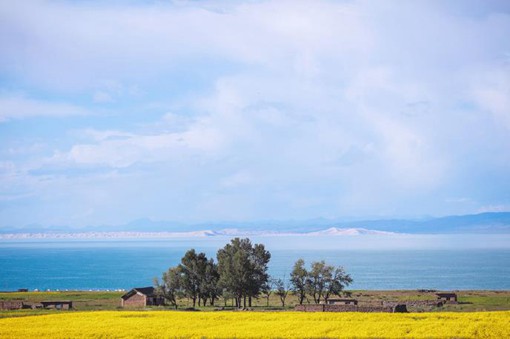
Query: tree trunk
{"x": 244, "y": 301}
{"x": 249, "y": 301}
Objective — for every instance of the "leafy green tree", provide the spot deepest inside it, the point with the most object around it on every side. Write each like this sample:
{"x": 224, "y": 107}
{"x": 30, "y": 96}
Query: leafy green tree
{"x": 170, "y": 287}
{"x": 324, "y": 280}
{"x": 259, "y": 259}
{"x": 282, "y": 290}
{"x": 242, "y": 268}
{"x": 340, "y": 279}
{"x": 231, "y": 269}
{"x": 318, "y": 275}
{"x": 226, "y": 295}
{"x": 193, "y": 268}
{"x": 209, "y": 287}
{"x": 298, "y": 278}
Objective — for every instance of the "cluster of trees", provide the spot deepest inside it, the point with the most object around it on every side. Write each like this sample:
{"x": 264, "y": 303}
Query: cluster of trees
{"x": 243, "y": 269}
{"x": 241, "y": 274}
{"x": 196, "y": 277}
{"x": 319, "y": 282}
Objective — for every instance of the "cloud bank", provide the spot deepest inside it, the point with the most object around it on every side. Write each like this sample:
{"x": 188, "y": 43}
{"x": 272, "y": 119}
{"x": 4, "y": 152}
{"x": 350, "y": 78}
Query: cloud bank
{"x": 200, "y": 111}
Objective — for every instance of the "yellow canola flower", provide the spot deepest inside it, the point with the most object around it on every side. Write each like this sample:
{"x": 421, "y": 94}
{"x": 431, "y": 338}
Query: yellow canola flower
{"x": 175, "y": 324}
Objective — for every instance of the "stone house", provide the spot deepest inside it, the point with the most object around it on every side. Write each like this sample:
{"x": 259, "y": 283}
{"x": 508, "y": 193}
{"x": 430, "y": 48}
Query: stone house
{"x": 11, "y": 304}
{"x": 141, "y": 297}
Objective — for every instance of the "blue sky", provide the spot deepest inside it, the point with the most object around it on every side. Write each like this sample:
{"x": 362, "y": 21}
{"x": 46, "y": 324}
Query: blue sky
{"x": 200, "y": 111}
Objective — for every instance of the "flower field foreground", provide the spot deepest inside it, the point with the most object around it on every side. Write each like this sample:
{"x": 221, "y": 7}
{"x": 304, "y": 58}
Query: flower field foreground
{"x": 169, "y": 324}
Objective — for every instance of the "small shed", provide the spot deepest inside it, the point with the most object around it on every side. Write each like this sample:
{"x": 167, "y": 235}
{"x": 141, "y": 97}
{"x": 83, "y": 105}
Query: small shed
{"x": 141, "y": 297}
{"x": 11, "y": 304}
{"x": 341, "y": 302}
{"x": 58, "y": 304}
{"x": 447, "y": 297}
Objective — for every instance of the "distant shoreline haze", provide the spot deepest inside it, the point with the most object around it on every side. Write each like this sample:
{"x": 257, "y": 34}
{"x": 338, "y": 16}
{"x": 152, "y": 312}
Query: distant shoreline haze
{"x": 483, "y": 223}
{"x": 364, "y": 242}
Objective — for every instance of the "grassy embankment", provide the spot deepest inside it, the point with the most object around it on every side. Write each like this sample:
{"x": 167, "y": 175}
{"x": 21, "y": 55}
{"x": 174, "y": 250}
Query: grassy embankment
{"x": 158, "y": 324}
{"x": 469, "y": 301}
{"x": 81, "y": 300}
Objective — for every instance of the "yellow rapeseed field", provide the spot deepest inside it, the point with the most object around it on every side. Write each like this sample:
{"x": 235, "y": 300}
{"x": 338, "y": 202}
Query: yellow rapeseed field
{"x": 170, "y": 324}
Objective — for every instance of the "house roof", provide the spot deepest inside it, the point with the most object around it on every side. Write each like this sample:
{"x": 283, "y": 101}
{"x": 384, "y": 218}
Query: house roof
{"x": 446, "y": 294}
{"x": 148, "y": 291}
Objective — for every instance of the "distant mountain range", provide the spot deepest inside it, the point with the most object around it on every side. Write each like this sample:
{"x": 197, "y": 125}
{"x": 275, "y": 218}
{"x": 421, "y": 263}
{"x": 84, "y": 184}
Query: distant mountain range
{"x": 493, "y": 223}
{"x": 333, "y": 231}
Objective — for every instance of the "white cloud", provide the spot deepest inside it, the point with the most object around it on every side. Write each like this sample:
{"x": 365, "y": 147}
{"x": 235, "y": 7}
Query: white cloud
{"x": 69, "y": 46}
{"x": 318, "y": 108}
{"x": 100, "y": 135}
{"x": 19, "y": 107}
{"x": 492, "y": 92}
{"x": 240, "y": 178}
{"x": 102, "y": 97}
{"x": 120, "y": 149}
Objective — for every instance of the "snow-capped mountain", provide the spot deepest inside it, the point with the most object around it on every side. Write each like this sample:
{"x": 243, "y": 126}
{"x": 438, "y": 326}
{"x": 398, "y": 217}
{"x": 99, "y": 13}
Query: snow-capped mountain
{"x": 349, "y": 231}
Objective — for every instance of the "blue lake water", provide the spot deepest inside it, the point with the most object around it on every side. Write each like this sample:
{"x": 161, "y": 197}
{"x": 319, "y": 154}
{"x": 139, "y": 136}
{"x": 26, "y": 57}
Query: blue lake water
{"x": 115, "y": 264}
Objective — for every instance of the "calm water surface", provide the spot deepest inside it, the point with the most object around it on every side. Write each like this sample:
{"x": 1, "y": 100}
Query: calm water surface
{"x": 117, "y": 264}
